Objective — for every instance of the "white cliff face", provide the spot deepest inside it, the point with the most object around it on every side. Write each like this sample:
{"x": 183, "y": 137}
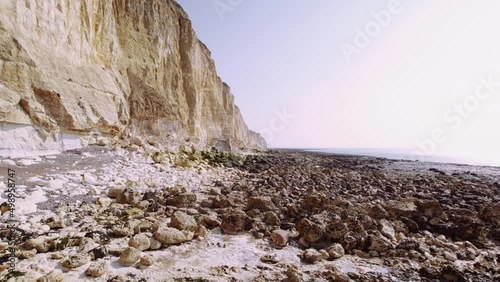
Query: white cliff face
{"x": 79, "y": 69}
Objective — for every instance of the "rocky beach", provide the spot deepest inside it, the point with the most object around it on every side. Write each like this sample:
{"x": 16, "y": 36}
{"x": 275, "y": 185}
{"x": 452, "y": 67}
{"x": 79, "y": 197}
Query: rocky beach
{"x": 150, "y": 214}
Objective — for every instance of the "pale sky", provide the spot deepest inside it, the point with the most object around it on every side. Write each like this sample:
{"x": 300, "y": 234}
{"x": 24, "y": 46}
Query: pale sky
{"x": 424, "y": 59}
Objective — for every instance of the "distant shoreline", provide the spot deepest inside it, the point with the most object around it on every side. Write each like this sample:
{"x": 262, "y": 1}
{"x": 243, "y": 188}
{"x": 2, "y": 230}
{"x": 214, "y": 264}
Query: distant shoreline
{"x": 397, "y": 156}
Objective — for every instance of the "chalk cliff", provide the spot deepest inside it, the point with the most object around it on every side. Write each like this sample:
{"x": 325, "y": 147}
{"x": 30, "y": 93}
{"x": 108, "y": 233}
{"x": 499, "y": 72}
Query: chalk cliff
{"x": 75, "y": 71}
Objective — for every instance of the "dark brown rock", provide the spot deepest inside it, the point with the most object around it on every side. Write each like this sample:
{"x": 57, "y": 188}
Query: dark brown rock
{"x": 261, "y": 203}
{"x": 183, "y": 200}
{"x": 235, "y": 221}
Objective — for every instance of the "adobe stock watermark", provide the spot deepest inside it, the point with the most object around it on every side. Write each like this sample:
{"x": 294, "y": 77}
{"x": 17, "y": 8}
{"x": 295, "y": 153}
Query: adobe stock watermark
{"x": 278, "y": 123}
{"x": 458, "y": 113}
{"x": 223, "y": 6}
{"x": 364, "y": 37}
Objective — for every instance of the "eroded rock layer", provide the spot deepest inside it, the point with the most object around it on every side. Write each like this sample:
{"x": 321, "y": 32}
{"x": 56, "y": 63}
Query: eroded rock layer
{"x": 74, "y": 70}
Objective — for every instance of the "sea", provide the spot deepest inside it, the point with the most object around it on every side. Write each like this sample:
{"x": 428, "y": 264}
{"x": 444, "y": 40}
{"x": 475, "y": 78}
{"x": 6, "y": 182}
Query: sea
{"x": 492, "y": 159}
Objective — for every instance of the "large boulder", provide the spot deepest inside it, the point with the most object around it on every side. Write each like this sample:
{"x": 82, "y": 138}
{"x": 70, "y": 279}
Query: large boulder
{"x": 183, "y": 221}
{"x": 280, "y": 237}
{"x": 130, "y": 256}
{"x": 140, "y": 241}
{"x": 169, "y": 236}
{"x": 260, "y": 203}
{"x": 183, "y": 200}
